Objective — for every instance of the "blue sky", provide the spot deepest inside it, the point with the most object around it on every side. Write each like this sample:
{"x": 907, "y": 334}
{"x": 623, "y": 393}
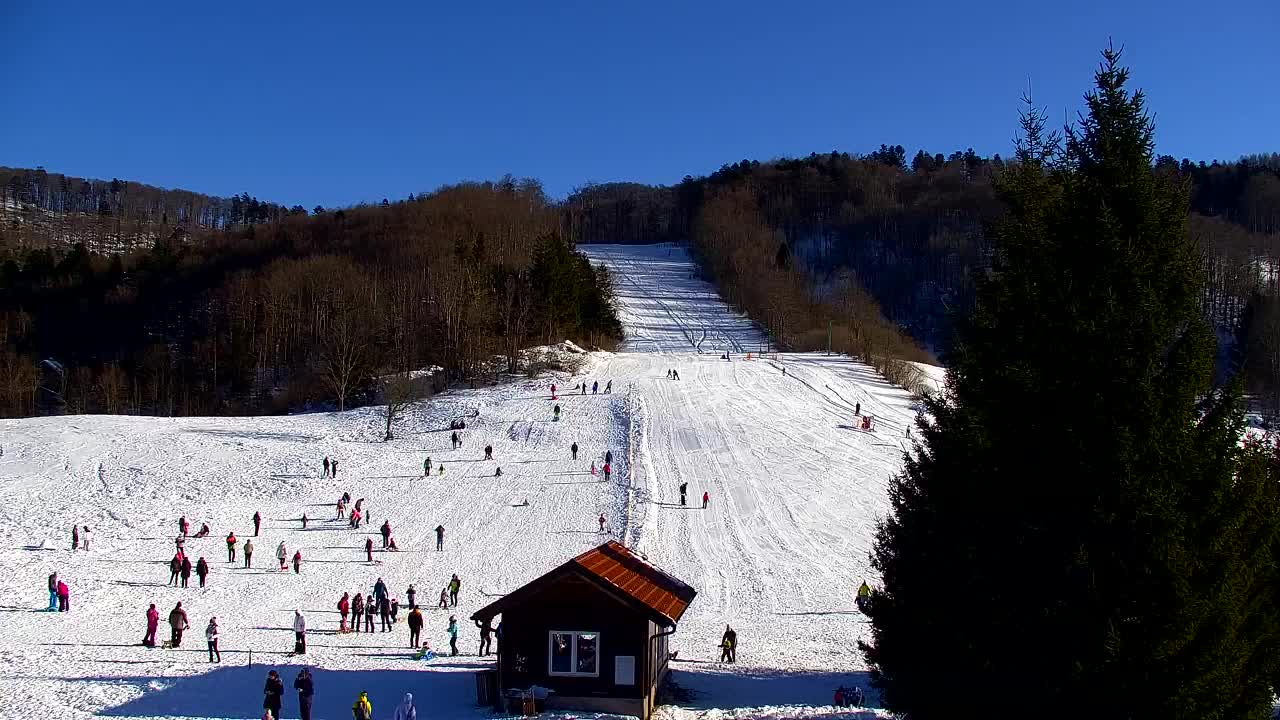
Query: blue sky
{"x": 338, "y": 103}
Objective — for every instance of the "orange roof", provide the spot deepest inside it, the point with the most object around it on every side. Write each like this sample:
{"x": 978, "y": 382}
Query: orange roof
{"x": 613, "y": 567}
{"x": 615, "y": 564}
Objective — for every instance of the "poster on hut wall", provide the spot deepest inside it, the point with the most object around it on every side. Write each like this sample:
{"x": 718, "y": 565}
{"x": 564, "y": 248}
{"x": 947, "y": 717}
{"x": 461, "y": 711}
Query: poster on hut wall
{"x": 624, "y": 670}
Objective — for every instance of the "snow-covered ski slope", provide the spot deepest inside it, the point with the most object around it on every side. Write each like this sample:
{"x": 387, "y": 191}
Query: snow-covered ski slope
{"x": 794, "y": 496}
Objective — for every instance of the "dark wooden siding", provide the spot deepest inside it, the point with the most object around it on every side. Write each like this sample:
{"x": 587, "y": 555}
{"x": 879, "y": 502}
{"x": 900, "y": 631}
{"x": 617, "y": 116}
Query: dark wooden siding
{"x": 574, "y": 604}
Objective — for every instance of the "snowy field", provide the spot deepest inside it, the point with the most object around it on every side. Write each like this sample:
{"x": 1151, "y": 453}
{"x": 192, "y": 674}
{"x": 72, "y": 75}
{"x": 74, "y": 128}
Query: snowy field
{"x": 794, "y": 490}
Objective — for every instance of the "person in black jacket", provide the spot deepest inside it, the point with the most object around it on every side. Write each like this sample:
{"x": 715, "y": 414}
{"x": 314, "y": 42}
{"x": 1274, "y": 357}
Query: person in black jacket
{"x": 186, "y": 570}
{"x": 274, "y": 694}
{"x": 306, "y": 693}
{"x": 202, "y": 570}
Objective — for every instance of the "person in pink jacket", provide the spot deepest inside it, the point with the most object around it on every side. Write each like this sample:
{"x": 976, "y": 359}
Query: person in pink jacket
{"x": 153, "y": 622}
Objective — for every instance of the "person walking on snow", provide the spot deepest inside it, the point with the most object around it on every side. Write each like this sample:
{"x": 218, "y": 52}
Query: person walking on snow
{"x": 186, "y": 570}
{"x": 257, "y": 523}
{"x": 306, "y": 693}
{"x": 553, "y": 391}
{"x": 282, "y": 554}
{"x": 362, "y": 709}
{"x": 857, "y": 408}
{"x": 153, "y": 622}
{"x": 453, "y": 635}
{"x": 202, "y": 570}
{"x": 380, "y": 590}
{"x": 211, "y": 634}
{"x": 411, "y": 593}
{"x": 607, "y": 471}
{"x": 183, "y": 526}
{"x": 64, "y": 597}
{"x": 299, "y": 633}
{"x": 486, "y": 638}
{"x": 357, "y": 612}
{"x": 444, "y": 597}
{"x": 175, "y": 569}
{"x": 556, "y": 413}
{"x": 84, "y": 537}
{"x": 53, "y": 591}
{"x": 370, "y": 606}
{"x": 574, "y": 450}
{"x": 864, "y": 597}
{"x": 368, "y": 549}
{"x": 304, "y": 521}
{"x": 248, "y": 553}
{"x": 386, "y": 533}
{"x": 384, "y": 613}
{"x": 415, "y": 627}
{"x": 439, "y": 538}
{"x": 405, "y": 710}
{"x": 602, "y": 523}
{"x": 729, "y": 645}
{"x": 177, "y": 624}
{"x": 75, "y": 537}
{"x": 344, "y": 609}
{"x": 454, "y": 586}
{"x": 608, "y": 388}
{"x": 706, "y": 498}
{"x": 488, "y": 452}
{"x": 231, "y": 547}
{"x": 426, "y": 467}
{"x": 595, "y": 387}
{"x": 326, "y": 466}
{"x": 297, "y": 562}
{"x": 273, "y": 694}
{"x": 684, "y": 486}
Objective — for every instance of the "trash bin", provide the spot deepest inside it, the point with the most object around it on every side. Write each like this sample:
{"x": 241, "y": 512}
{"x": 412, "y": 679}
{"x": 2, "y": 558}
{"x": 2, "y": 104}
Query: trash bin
{"x": 487, "y": 688}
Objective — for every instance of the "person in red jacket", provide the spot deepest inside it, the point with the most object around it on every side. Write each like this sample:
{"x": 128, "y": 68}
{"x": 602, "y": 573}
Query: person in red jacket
{"x": 344, "y": 607}
{"x": 153, "y": 622}
{"x": 231, "y": 547}
{"x": 64, "y": 597}
{"x": 706, "y": 498}
{"x": 297, "y": 562}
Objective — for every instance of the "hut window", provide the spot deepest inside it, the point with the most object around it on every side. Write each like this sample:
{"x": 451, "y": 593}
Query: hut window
{"x": 574, "y": 653}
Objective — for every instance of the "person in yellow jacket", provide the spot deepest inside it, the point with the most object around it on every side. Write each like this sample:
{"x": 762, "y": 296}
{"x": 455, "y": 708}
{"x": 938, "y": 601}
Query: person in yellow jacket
{"x": 362, "y": 710}
{"x": 864, "y": 596}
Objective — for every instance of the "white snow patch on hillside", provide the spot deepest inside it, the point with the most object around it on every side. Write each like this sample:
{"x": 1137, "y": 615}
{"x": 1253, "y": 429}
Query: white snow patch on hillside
{"x": 794, "y": 490}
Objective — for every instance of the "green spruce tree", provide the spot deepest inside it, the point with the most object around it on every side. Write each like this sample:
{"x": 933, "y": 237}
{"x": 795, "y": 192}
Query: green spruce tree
{"x": 1081, "y": 532}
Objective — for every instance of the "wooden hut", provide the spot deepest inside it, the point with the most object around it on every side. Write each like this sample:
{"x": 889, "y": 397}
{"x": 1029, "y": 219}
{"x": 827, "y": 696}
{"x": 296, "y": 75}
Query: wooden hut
{"x": 593, "y": 631}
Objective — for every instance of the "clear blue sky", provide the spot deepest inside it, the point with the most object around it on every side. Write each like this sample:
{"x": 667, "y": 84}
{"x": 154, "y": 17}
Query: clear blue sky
{"x": 337, "y": 103}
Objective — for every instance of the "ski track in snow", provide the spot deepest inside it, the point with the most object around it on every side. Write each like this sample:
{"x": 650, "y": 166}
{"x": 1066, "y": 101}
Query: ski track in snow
{"x": 795, "y": 496}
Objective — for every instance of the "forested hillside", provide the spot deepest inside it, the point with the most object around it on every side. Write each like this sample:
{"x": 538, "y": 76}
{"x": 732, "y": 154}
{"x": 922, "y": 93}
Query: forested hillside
{"x": 837, "y": 241}
{"x": 263, "y": 314}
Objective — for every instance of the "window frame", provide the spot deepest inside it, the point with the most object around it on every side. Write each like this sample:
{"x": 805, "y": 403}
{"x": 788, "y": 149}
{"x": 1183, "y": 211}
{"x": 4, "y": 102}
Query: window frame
{"x": 573, "y": 653}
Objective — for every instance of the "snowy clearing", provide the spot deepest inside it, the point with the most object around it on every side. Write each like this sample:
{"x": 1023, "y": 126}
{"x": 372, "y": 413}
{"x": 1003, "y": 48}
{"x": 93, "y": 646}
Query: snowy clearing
{"x": 795, "y": 492}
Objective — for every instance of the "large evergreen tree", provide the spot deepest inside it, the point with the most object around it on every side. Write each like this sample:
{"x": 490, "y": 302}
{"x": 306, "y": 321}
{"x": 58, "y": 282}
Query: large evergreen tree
{"x": 1081, "y": 523}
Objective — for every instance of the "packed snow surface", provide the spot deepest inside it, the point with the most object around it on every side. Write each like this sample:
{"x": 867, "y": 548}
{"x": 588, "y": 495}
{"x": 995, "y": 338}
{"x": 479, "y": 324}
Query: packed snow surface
{"x": 794, "y": 494}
